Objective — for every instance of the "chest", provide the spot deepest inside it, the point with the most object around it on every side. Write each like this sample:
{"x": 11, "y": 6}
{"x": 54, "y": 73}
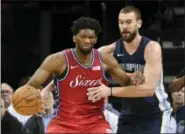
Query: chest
{"x": 131, "y": 63}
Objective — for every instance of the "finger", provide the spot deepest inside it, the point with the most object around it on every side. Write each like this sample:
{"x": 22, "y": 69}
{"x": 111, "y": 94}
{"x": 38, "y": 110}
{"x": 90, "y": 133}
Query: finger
{"x": 92, "y": 89}
{"x": 50, "y": 84}
{"x": 96, "y": 99}
{"x": 95, "y": 96}
{"x": 143, "y": 81}
{"x": 90, "y": 93}
{"x": 134, "y": 82}
{"x": 101, "y": 84}
{"x": 139, "y": 82}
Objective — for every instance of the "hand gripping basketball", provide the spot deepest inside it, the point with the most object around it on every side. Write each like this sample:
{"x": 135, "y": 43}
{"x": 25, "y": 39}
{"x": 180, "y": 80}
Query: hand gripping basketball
{"x": 27, "y": 100}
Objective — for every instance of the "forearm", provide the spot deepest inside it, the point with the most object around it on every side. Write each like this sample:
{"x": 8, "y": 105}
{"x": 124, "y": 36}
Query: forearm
{"x": 132, "y": 91}
{"x": 34, "y": 84}
{"x": 39, "y": 78}
{"x": 126, "y": 81}
{"x": 123, "y": 80}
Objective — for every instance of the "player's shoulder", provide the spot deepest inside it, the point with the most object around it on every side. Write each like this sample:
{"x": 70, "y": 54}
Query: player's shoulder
{"x": 106, "y": 57}
{"x": 153, "y": 46}
{"x": 56, "y": 56}
{"x": 154, "y": 43}
{"x": 108, "y": 48}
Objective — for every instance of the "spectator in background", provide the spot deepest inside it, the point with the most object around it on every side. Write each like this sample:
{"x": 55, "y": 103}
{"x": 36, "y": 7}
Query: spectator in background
{"x": 3, "y": 109}
{"x": 9, "y": 124}
{"x": 38, "y": 124}
{"x": 177, "y": 89}
{"x": 6, "y": 94}
{"x": 178, "y": 83}
{"x": 11, "y": 110}
{"x": 178, "y": 99}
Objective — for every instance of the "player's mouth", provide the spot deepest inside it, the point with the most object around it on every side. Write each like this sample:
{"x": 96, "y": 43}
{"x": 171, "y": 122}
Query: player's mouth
{"x": 126, "y": 33}
{"x": 87, "y": 46}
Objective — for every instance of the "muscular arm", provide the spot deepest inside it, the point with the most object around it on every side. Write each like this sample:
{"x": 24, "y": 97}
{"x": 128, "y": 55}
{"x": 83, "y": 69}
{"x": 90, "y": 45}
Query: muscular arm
{"x": 152, "y": 72}
{"x": 114, "y": 69}
{"x": 53, "y": 64}
{"x": 109, "y": 49}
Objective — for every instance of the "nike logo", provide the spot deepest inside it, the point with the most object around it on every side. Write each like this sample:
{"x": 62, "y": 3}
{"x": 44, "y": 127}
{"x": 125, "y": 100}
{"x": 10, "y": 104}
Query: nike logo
{"x": 72, "y": 67}
{"x": 119, "y": 55}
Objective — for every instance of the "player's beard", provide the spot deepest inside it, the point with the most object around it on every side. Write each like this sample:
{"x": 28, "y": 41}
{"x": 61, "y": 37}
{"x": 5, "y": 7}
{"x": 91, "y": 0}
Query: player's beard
{"x": 130, "y": 36}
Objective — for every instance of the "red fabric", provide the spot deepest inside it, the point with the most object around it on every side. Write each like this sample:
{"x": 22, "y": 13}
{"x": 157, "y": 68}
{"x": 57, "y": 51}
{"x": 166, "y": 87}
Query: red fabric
{"x": 75, "y": 111}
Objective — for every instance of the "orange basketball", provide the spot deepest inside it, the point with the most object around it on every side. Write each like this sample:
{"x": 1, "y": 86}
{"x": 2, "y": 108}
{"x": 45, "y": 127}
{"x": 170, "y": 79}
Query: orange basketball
{"x": 27, "y": 100}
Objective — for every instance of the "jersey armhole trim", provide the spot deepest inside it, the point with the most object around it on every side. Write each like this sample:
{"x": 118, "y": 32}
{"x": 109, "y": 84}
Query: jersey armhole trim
{"x": 100, "y": 59}
{"x": 67, "y": 67}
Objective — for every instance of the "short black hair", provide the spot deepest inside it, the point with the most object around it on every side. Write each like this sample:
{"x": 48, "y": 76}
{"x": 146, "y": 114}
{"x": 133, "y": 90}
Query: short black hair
{"x": 129, "y": 9}
{"x": 86, "y": 23}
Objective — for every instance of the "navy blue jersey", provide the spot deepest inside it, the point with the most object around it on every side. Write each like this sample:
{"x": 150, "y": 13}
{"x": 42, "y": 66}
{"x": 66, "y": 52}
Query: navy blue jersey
{"x": 136, "y": 108}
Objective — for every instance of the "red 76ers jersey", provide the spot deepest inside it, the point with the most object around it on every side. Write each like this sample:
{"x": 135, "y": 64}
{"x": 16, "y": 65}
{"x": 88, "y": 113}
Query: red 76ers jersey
{"x": 73, "y": 100}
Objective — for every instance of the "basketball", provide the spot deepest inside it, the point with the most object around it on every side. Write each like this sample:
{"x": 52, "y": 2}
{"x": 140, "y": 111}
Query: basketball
{"x": 27, "y": 100}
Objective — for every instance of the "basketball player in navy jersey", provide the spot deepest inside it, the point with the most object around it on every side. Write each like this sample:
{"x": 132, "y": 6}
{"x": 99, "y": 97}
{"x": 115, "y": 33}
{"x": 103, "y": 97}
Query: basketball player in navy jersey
{"x": 77, "y": 69}
{"x": 145, "y": 108}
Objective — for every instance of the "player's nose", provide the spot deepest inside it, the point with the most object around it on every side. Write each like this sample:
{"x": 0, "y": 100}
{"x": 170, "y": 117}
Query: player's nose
{"x": 87, "y": 41}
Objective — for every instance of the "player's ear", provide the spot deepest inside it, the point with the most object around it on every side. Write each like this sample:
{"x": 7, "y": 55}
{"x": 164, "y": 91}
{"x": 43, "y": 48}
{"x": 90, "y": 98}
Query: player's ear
{"x": 139, "y": 23}
{"x": 74, "y": 38}
{"x": 95, "y": 40}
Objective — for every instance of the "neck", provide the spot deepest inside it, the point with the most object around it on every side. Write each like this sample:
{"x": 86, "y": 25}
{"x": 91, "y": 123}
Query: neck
{"x": 135, "y": 41}
{"x": 83, "y": 58}
{"x": 176, "y": 106}
{"x": 7, "y": 105}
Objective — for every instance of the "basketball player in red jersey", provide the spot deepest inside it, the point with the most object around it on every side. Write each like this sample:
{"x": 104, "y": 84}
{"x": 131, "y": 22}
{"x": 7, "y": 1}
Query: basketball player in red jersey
{"x": 78, "y": 69}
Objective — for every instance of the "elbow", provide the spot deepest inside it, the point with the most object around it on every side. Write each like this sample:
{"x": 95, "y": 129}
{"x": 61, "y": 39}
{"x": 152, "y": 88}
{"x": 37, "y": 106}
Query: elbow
{"x": 149, "y": 91}
{"x": 152, "y": 90}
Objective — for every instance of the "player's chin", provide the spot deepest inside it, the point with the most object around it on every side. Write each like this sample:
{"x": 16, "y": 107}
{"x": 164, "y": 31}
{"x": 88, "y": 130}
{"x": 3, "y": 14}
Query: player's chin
{"x": 128, "y": 39}
{"x": 126, "y": 36}
{"x": 88, "y": 47}
{"x": 87, "y": 50}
